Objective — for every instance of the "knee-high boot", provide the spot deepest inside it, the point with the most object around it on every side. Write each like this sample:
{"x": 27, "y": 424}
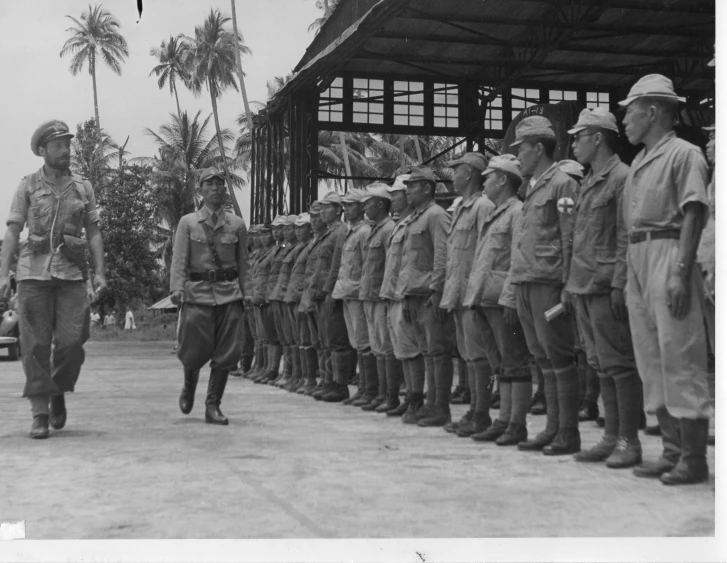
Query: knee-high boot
{"x": 550, "y": 388}
{"x": 360, "y": 392}
{"x": 380, "y": 397}
{"x": 394, "y": 377}
{"x": 186, "y": 399}
{"x": 215, "y": 390}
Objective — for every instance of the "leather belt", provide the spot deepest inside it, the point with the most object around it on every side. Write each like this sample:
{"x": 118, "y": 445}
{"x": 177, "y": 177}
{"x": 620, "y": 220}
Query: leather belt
{"x": 641, "y": 236}
{"x": 213, "y": 275}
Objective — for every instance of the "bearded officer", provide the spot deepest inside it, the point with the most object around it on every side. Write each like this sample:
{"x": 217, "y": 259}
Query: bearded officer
{"x": 53, "y": 304}
{"x": 210, "y": 271}
{"x": 665, "y": 205}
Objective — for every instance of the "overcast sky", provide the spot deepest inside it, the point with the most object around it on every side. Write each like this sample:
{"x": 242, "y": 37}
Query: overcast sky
{"x": 38, "y": 85}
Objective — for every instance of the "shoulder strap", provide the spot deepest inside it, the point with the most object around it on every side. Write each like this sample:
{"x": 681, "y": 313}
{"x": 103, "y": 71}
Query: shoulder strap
{"x": 211, "y": 244}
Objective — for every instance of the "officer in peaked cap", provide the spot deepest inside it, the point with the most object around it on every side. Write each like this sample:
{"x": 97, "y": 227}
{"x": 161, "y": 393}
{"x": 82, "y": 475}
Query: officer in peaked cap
{"x": 57, "y": 207}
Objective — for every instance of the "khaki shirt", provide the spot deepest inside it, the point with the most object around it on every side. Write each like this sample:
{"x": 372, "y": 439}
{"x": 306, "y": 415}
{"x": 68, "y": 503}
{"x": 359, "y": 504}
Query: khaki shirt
{"x": 467, "y": 220}
{"x": 600, "y": 239}
{"x": 661, "y": 182}
{"x": 276, "y": 262}
{"x": 261, "y": 274}
{"x": 290, "y": 253}
{"x": 326, "y": 270}
{"x": 424, "y": 261}
{"x": 488, "y": 285}
{"x": 45, "y": 206}
{"x": 706, "y": 250}
{"x": 297, "y": 281}
{"x": 192, "y": 254}
{"x": 394, "y": 252}
{"x": 374, "y": 264}
{"x": 352, "y": 257}
{"x": 542, "y": 243}
{"x": 306, "y": 298}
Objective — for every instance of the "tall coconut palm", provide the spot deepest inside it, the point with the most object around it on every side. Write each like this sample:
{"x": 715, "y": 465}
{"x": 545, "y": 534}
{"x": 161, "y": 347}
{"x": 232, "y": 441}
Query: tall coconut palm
{"x": 173, "y": 56}
{"x": 213, "y": 65}
{"x": 95, "y": 36}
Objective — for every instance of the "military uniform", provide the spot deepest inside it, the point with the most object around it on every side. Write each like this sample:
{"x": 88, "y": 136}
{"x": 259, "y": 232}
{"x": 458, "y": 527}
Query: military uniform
{"x": 261, "y": 308}
{"x": 210, "y": 266}
{"x": 539, "y": 266}
{"x": 706, "y": 256}
{"x": 422, "y": 273}
{"x": 276, "y": 261}
{"x": 250, "y": 342}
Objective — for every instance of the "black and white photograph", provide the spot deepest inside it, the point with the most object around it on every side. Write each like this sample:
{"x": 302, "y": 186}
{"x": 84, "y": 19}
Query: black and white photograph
{"x": 359, "y": 280}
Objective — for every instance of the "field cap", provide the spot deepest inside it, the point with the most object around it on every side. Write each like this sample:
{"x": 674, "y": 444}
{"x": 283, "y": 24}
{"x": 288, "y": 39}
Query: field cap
{"x": 279, "y": 221}
{"x": 377, "y": 189}
{"x": 504, "y": 163}
{"x": 303, "y": 219}
{"x": 331, "y": 198}
{"x": 315, "y": 208}
{"x": 48, "y": 131}
{"x": 421, "y": 173}
{"x": 475, "y": 159}
{"x": 399, "y": 183}
{"x": 352, "y": 196}
{"x": 571, "y": 167}
{"x": 533, "y": 126}
{"x": 290, "y": 220}
{"x": 455, "y": 203}
{"x": 596, "y": 117}
{"x": 655, "y": 85}
{"x": 211, "y": 172}
{"x": 252, "y": 230}
{"x": 266, "y": 226}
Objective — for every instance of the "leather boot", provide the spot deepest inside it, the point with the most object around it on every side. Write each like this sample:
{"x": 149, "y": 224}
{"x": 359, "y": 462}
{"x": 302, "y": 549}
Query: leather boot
{"x": 394, "y": 377}
{"x": 600, "y": 452}
{"x": 338, "y": 392}
{"x": 551, "y": 426}
{"x": 492, "y": 433}
{"x": 215, "y": 390}
{"x": 441, "y": 414}
{"x": 246, "y": 363}
{"x": 340, "y": 364}
{"x": 39, "y": 428}
{"x": 296, "y": 369}
{"x": 402, "y": 408}
{"x": 361, "y": 390}
{"x": 257, "y": 362}
{"x": 513, "y": 435}
{"x": 186, "y": 399}
{"x": 325, "y": 387}
{"x": 568, "y": 438}
{"x": 284, "y": 378}
{"x": 311, "y": 363}
{"x": 368, "y": 366}
{"x": 264, "y": 369}
{"x": 481, "y": 421}
{"x": 626, "y": 454}
{"x": 380, "y": 398}
{"x": 415, "y": 405}
{"x": 58, "y": 412}
{"x": 467, "y": 417}
{"x": 567, "y": 441}
{"x": 457, "y": 397}
{"x": 692, "y": 466}
{"x": 671, "y": 440}
{"x": 276, "y": 353}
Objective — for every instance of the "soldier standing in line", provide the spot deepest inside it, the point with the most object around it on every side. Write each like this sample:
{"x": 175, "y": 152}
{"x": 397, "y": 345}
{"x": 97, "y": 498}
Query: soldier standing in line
{"x": 346, "y": 290}
{"x": 665, "y": 205}
{"x": 53, "y": 298}
{"x": 331, "y": 324}
{"x": 492, "y": 297}
{"x": 540, "y": 262}
{"x": 301, "y": 331}
{"x": 291, "y": 361}
{"x": 596, "y": 282}
{"x": 210, "y": 269}
{"x": 420, "y": 285}
{"x": 276, "y": 261}
{"x": 249, "y": 330}
{"x": 706, "y": 250}
{"x": 377, "y": 204}
{"x": 403, "y": 339}
{"x": 475, "y": 339}
{"x": 261, "y": 309}
{"x": 314, "y": 352}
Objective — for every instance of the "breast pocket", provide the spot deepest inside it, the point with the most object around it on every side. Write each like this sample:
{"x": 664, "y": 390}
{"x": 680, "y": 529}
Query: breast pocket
{"x": 463, "y": 236}
{"x": 500, "y": 244}
{"x": 545, "y": 215}
{"x": 421, "y": 247}
{"x": 42, "y": 208}
{"x": 228, "y": 249}
{"x": 602, "y": 218}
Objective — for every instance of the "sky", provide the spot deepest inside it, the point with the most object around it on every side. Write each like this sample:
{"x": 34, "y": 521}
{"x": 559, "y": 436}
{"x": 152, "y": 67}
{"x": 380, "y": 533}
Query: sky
{"x": 39, "y": 86}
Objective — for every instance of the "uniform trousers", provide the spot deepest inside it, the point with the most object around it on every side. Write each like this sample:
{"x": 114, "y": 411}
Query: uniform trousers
{"x": 210, "y": 333}
{"x": 671, "y": 353}
{"x": 403, "y": 338}
{"x": 476, "y": 337}
{"x": 356, "y": 325}
{"x": 432, "y": 337}
{"x": 299, "y": 324}
{"x": 282, "y": 328}
{"x": 53, "y": 314}
{"x": 266, "y": 324}
{"x": 249, "y": 332}
{"x": 378, "y": 326}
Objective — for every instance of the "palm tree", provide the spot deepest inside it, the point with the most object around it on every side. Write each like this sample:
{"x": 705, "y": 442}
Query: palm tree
{"x": 213, "y": 60}
{"x": 95, "y": 36}
{"x": 173, "y": 64}
{"x": 328, "y": 6}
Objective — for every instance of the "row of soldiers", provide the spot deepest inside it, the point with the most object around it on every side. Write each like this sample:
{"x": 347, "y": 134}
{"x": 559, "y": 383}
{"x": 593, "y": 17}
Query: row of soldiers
{"x": 502, "y": 279}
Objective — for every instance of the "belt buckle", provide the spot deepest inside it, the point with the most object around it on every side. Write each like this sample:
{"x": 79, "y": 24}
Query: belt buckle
{"x": 212, "y": 275}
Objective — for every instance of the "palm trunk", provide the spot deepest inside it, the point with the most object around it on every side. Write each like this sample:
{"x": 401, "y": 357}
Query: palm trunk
{"x": 420, "y": 158}
{"x": 95, "y": 94}
{"x": 176, "y": 97}
{"x": 235, "y": 205}
{"x": 239, "y": 69}
{"x": 344, "y": 150}
{"x": 402, "y": 154}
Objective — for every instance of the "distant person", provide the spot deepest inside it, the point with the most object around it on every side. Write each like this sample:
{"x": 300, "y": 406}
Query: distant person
{"x": 95, "y": 319}
{"x": 54, "y": 311}
{"x": 129, "y": 323}
{"x": 109, "y": 320}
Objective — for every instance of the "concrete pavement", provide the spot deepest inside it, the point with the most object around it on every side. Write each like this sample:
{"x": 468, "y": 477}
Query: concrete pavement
{"x": 129, "y": 465}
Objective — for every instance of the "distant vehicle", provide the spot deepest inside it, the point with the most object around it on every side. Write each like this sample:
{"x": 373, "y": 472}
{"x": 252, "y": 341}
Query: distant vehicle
{"x": 9, "y": 327}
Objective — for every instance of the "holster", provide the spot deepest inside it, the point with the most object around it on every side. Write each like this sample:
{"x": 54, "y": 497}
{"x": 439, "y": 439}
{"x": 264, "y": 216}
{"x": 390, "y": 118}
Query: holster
{"x": 74, "y": 248}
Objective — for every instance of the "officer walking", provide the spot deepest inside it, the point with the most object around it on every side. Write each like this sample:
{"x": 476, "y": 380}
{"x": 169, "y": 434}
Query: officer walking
{"x": 53, "y": 301}
{"x": 210, "y": 271}
{"x": 596, "y": 282}
{"x": 665, "y": 204}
